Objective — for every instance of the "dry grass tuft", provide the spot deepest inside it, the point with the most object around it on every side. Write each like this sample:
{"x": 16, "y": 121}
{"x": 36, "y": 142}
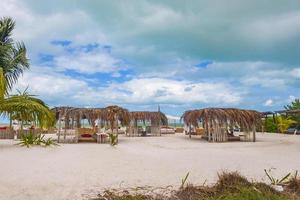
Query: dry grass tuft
{"x": 230, "y": 181}
{"x": 230, "y": 186}
{"x": 194, "y": 192}
{"x": 293, "y": 186}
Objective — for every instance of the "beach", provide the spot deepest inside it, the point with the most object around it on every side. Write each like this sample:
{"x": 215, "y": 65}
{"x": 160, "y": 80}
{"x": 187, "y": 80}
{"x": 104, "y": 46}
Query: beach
{"x": 78, "y": 171}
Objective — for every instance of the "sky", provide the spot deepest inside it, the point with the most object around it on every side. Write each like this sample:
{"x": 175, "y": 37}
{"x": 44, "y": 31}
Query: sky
{"x": 178, "y": 54}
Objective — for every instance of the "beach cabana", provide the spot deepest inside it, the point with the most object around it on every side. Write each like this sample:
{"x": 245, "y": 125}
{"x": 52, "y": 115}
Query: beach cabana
{"x": 71, "y": 123}
{"x": 114, "y": 117}
{"x": 218, "y": 123}
{"x": 154, "y": 119}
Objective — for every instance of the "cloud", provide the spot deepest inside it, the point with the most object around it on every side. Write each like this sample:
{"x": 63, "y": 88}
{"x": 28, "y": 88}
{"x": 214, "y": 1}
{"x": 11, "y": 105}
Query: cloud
{"x": 269, "y": 102}
{"x": 278, "y": 28}
{"x": 52, "y": 87}
{"x": 159, "y": 90}
{"x": 292, "y": 98}
{"x": 88, "y": 59}
{"x": 59, "y": 89}
{"x": 295, "y": 72}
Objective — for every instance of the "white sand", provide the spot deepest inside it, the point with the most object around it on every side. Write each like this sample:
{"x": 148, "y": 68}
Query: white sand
{"x": 70, "y": 170}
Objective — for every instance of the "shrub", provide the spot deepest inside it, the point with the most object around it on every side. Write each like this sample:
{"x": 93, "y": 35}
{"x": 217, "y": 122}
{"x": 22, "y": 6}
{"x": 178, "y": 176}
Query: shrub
{"x": 30, "y": 139}
{"x": 113, "y": 139}
{"x": 230, "y": 181}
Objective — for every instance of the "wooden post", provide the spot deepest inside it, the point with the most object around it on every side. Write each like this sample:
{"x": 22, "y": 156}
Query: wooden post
{"x": 190, "y": 133}
{"x": 10, "y": 121}
{"x": 206, "y": 127}
{"x": 159, "y": 126}
{"x": 117, "y": 122}
{"x": 59, "y": 126}
{"x": 209, "y": 136}
{"x": 254, "y": 133}
{"x": 72, "y": 118}
{"x": 65, "y": 128}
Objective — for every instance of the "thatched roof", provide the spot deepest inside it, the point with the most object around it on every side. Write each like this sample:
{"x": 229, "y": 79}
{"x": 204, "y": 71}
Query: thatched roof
{"x": 62, "y": 110}
{"x": 112, "y": 113}
{"x": 245, "y": 118}
{"x": 156, "y": 117}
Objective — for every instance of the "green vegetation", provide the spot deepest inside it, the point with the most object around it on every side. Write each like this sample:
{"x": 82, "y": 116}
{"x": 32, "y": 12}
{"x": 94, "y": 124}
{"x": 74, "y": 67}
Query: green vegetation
{"x": 269, "y": 125}
{"x": 230, "y": 186}
{"x": 30, "y": 139}
{"x": 113, "y": 139}
{"x": 13, "y": 62}
{"x": 183, "y": 181}
{"x": 276, "y": 181}
{"x": 279, "y": 124}
{"x": 295, "y": 105}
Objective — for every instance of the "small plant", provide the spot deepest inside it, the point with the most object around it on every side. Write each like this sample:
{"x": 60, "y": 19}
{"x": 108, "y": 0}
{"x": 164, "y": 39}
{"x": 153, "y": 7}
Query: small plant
{"x": 113, "y": 139}
{"x": 183, "y": 181}
{"x": 49, "y": 142}
{"x": 30, "y": 139}
{"x": 275, "y": 181}
{"x": 39, "y": 140}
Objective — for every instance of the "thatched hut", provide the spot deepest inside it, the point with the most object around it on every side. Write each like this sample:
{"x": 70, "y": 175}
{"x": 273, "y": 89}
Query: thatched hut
{"x": 155, "y": 119}
{"x": 217, "y": 122}
{"x": 115, "y": 116}
{"x": 71, "y": 120}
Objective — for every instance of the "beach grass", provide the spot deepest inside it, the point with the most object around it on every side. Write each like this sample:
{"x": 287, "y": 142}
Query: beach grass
{"x": 230, "y": 186}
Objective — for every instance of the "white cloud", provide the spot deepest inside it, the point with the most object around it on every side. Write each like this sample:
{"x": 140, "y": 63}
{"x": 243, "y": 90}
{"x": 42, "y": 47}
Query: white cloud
{"x": 159, "y": 90}
{"x": 295, "y": 73}
{"x": 269, "y": 102}
{"x": 51, "y": 86}
{"x": 160, "y": 17}
{"x": 292, "y": 98}
{"x": 274, "y": 29}
{"x": 88, "y": 62}
{"x": 266, "y": 82}
{"x": 56, "y": 88}
{"x": 38, "y": 30}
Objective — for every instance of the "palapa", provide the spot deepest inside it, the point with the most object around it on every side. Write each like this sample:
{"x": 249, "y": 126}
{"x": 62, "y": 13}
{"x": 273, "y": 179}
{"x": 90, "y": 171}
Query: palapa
{"x": 215, "y": 119}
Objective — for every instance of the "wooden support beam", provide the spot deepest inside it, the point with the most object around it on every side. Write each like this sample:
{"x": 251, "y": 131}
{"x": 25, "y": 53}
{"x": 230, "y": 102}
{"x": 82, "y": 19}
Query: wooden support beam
{"x": 59, "y": 126}
{"x": 254, "y": 134}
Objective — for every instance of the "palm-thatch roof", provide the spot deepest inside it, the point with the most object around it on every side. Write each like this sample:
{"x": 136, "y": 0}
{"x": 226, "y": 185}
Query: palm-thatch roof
{"x": 154, "y": 117}
{"x": 110, "y": 114}
{"x": 245, "y": 118}
{"x": 91, "y": 114}
{"x": 61, "y": 111}
{"x": 114, "y": 113}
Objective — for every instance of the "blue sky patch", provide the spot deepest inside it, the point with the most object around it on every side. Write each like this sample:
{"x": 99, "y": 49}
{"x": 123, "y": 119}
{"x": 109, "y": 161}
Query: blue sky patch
{"x": 204, "y": 63}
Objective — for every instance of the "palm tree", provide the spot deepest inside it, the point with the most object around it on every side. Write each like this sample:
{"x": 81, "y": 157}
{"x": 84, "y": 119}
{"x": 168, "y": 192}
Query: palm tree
{"x": 284, "y": 123}
{"x": 13, "y": 60}
{"x": 295, "y": 105}
{"x": 27, "y": 108}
